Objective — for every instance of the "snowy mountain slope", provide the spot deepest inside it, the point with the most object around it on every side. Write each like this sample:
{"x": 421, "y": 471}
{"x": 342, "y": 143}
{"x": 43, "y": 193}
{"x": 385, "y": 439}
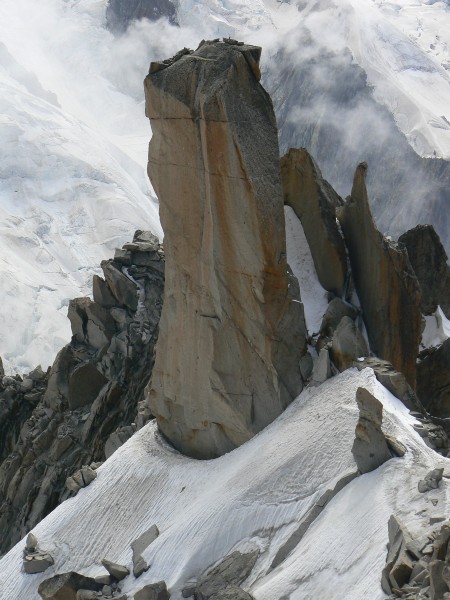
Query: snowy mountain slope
{"x": 255, "y": 496}
{"x": 70, "y": 187}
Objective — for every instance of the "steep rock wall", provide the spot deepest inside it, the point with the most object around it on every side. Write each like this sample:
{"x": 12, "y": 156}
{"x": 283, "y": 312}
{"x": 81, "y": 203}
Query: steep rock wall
{"x": 232, "y": 328}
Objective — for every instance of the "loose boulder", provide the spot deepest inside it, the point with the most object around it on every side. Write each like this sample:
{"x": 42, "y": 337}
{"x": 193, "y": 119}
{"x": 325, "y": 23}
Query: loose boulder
{"x": 386, "y": 284}
{"x": 232, "y": 329}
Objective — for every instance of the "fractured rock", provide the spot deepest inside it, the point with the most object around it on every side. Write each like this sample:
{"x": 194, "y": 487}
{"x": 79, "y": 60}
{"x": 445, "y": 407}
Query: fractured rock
{"x": 402, "y": 554}
{"x": 232, "y": 329}
{"x": 153, "y": 591}
{"x": 386, "y": 284}
{"x": 337, "y": 309}
{"x": 314, "y": 202}
{"x": 66, "y": 585}
{"x": 347, "y": 344}
{"x": 370, "y": 448}
{"x": 231, "y": 571}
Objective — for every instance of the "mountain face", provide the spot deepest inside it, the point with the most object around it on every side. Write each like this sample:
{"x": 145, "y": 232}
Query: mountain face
{"x": 120, "y": 14}
{"x": 344, "y": 494}
{"x": 214, "y": 162}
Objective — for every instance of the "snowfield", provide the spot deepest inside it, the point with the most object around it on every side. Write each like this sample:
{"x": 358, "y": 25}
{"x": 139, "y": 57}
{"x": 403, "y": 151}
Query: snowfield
{"x": 255, "y": 496}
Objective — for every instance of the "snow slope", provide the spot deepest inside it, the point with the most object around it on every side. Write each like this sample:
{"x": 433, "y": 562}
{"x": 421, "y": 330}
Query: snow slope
{"x": 255, "y": 496}
{"x": 71, "y": 189}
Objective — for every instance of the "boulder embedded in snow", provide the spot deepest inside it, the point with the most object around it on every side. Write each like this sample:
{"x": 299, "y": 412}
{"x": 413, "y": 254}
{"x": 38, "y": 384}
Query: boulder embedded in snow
{"x": 81, "y": 478}
{"x": 431, "y": 481}
{"x": 402, "y": 553}
{"x": 119, "y": 572}
{"x": 314, "y": 202}
{"x": 386, "y": 284}
{"x": 153, "y": 591}
{"x": 231, "y": 571}
{"x": 433, "y": 379}
{"x": 66, "y": 585}
{"x": 370, "y": 448}
{"x": 347, "y": 344}
{"x": 429, "y": 262}
{"x": 232, "y": 329}
{"x": 138, "y": 547}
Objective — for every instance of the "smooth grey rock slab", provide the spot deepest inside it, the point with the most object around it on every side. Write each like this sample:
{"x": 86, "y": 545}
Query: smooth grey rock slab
{"x": 138, "y": 547}
{"x": 65, "y": 586}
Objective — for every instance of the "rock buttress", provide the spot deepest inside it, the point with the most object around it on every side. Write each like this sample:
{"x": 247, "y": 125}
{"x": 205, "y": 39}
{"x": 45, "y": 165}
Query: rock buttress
{"x": 386, "y": 284}
{"x": 232, "y": 330}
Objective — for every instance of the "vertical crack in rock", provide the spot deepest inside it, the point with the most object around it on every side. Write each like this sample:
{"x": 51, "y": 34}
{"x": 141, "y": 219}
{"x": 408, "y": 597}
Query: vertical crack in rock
{"x": 232, "y": 330}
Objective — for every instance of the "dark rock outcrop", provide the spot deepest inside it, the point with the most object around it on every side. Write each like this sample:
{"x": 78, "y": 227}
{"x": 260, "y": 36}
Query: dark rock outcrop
{"x": 429, "y": 262}
{"x": 229, "y": 573}
{"x": 153, "y": 591}
{"x": 232, "y": 326}
{"x": 66, "y": 586}
{"x": 370, "y": 448}
{"x": 387, "y": 287}
{"x": 94, "y": 387}
{"x": 433, "y": 380}
{"x": 120, "y": 13}
{"x": 314, "y": 202}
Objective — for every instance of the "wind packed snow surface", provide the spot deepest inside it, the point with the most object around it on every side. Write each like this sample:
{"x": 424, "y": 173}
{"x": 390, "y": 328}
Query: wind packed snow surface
{"x": 72, "y": 170}
{"x": 253, "y": 497}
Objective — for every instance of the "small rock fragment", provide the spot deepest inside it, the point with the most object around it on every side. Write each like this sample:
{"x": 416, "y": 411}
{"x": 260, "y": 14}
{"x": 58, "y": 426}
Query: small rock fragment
{"x": 431, "y": 481}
